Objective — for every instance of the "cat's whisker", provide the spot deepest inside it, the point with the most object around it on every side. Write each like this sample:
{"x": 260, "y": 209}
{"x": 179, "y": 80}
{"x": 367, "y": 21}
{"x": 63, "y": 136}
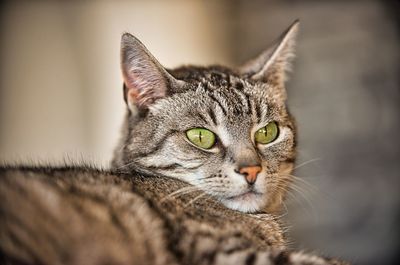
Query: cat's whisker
{"x": 309, "y": 188}
{"x": 298, "y": 188}
{"x": 286, "y": 210}
{"x": 303, "y": 181}
{"x": 286, "y": 229}
{"x": 185, "y": 189}
{"x": 189, "y": 189}
{"x": 195, "y": 199}
{"x": 179, "y": 192}
{"x": 288, "y": 193}
{"x": 293, "y": 186}
{"x": 208, "y": 178}
{"x": 281, "y": 187}
{"x": 307, "y": 162}
{"x": 304, "y": 197}
{"x": 126, "y": 165}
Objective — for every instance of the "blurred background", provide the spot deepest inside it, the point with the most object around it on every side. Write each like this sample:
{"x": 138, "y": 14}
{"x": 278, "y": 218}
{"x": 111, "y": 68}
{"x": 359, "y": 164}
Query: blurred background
{"x": 61, "y": 96}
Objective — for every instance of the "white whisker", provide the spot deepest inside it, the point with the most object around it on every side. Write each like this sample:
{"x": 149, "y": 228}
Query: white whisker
{"x": 195, "y": 199}
{"x": 286, "y": 211}
{"x": 307, "y": 162}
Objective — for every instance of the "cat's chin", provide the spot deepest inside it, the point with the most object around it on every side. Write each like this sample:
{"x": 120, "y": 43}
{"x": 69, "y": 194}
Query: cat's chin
{"x": 248, "y": 202}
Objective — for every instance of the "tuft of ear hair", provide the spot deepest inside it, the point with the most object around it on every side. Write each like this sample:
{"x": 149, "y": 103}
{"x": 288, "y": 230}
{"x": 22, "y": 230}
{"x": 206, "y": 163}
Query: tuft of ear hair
{"x": 272, "y": 64}
{"x": 145, "y": 79}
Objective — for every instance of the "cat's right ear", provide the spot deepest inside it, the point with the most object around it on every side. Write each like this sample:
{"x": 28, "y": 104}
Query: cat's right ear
{"x": 272, "y": 65}
{"x": 145, "y": 79}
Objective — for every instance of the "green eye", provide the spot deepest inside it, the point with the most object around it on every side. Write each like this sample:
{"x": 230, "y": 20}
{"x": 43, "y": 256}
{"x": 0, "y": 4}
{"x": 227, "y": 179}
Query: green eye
{"x": 201, "y": 137}
{"x": 267, "y": 133}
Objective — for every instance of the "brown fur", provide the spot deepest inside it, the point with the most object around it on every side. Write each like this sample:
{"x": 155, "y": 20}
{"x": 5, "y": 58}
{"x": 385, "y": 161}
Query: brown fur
{"x": 86, "y": 216}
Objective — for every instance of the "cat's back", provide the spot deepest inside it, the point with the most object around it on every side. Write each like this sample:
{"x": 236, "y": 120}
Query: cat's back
{"x": 87, "y": 216}
{"x": 76, "y": 216}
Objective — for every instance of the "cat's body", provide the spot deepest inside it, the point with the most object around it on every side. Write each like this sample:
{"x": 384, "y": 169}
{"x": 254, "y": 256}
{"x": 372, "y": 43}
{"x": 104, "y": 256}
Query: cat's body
{"x": 87, "y": 216}
{"x": 196, "y": 141}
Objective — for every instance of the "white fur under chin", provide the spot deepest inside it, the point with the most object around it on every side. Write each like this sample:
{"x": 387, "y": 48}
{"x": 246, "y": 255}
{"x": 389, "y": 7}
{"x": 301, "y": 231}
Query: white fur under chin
{"x": 248, "y": 203}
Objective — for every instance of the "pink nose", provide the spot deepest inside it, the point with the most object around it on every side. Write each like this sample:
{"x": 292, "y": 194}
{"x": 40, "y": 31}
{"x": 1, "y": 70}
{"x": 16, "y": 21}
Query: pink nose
{"x": 250, "y": 173}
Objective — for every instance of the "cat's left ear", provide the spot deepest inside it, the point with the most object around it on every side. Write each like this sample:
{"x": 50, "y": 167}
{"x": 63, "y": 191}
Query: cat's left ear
{"x": 271, "y": 65}
{"x": 145, "y": 79}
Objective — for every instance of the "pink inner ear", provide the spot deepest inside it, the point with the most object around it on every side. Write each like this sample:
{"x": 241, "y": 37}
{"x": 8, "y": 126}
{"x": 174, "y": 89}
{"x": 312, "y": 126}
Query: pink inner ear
{"x": 142, "y": 92}
{"x": 133, "y": 95}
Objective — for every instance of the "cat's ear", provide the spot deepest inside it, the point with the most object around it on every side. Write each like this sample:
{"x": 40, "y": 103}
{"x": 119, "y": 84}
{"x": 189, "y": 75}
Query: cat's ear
{"x": 271, "y": 65}
{"x": 145, "y": 79}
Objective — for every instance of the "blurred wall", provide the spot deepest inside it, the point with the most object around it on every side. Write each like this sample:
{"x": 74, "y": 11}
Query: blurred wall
{"x": 61, "y": 96}
{"x": 61, "y": 87}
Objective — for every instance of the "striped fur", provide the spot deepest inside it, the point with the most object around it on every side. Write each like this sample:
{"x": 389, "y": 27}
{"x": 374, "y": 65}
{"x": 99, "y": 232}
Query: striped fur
{"x": 232, "y": 103}
{"x": 87, "y": 216}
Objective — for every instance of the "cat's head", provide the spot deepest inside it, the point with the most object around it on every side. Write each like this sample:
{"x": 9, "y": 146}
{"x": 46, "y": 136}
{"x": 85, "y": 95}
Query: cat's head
{"x": 226, "y": 131}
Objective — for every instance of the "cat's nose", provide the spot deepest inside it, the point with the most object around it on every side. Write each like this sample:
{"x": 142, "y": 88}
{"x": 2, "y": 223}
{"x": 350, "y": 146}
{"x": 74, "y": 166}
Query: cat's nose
{"x": 250, "y": 173}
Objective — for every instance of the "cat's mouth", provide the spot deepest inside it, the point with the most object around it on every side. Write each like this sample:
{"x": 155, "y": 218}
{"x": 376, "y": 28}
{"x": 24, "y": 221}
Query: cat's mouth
{"x": 248, "y": 201}
{"x": 248, "y": 195}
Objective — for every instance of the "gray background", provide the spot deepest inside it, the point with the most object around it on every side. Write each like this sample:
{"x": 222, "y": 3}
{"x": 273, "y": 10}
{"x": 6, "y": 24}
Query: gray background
{"x": 60, "y": 96}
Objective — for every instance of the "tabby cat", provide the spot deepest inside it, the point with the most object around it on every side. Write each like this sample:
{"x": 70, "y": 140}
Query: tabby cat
{"x": 204, "y": 160}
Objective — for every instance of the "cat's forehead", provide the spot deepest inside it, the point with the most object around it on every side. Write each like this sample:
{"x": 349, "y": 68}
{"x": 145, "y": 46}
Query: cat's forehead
{"x": 217, "y": 97}
{"x": 220, "y": 99}
{"x": 224, "y": 82}
{"x": 213, "y": 77}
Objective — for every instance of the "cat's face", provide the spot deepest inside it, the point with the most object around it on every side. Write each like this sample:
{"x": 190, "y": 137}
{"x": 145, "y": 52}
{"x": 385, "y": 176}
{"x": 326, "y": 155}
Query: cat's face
{"x": 227, "y": 132}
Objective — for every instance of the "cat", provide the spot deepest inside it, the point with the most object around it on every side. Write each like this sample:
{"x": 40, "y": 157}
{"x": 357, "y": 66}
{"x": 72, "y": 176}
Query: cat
{"x": 203, "y": 163}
